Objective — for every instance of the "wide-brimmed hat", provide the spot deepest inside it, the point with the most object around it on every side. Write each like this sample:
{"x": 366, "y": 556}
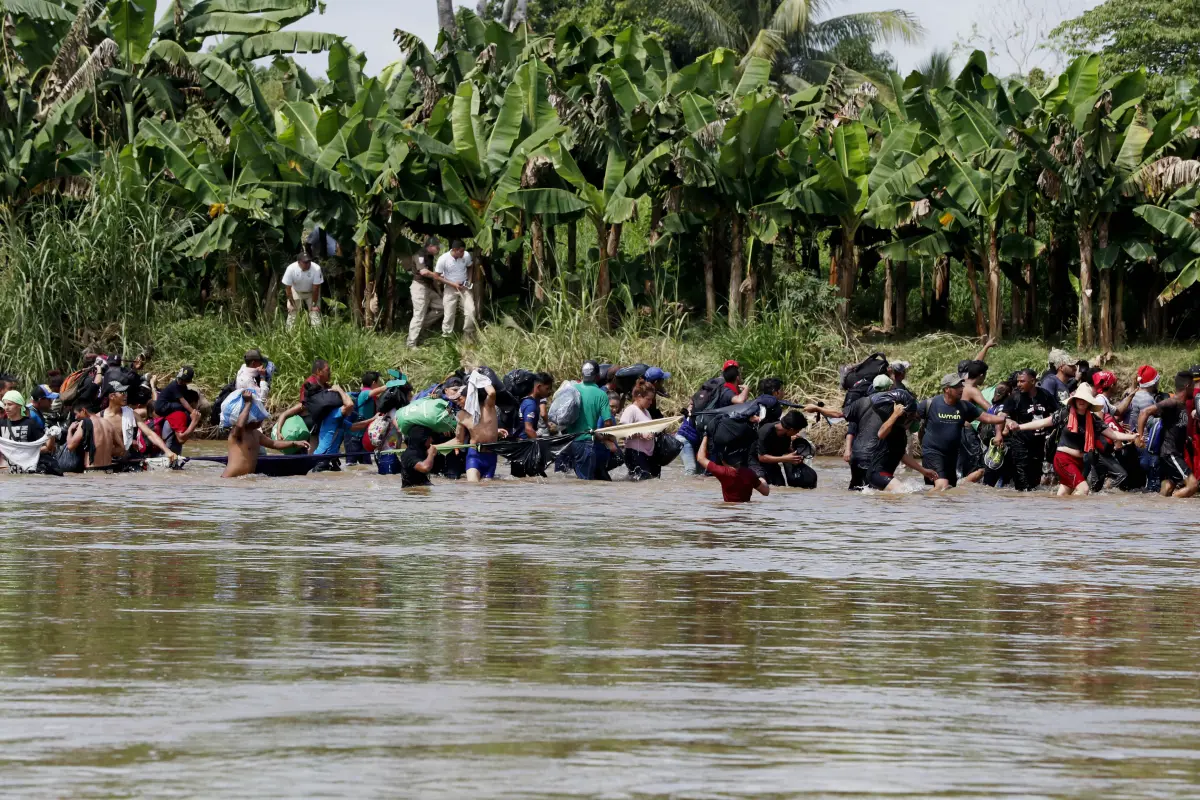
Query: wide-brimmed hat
{"x": 1084, "y": 392}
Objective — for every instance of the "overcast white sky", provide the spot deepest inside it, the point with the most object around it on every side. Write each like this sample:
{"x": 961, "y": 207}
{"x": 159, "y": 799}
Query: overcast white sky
{"x": 368, "y": 24}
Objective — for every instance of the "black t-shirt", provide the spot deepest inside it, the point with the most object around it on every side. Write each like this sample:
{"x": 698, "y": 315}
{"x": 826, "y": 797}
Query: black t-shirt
{"x": 944, "y": 423}
{"x": 1173, "y": 418}
{"x": 892, "y": 449}
{"x": 169, "y": 399}
{"x": 864, "y": 421}
{"x": 1075, "y": 440}
{"x": 771, "y": 442}
{"x": 409, "y": 475}
{"x": 1022, "y": 408}
{"x": 25, "y": 429}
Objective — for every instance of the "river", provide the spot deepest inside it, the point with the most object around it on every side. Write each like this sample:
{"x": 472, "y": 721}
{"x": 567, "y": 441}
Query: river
{"x": 175, "y": 635}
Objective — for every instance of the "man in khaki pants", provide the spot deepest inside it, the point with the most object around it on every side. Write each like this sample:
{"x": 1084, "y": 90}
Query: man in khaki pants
{"x": 455, "y": 268}
{"x": 426, "y": 291}
{"x": 303, "y": 280}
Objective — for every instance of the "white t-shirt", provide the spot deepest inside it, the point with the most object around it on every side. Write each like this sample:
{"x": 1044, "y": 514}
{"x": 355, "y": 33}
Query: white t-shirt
{"x": 303, "y": 280}
{"x": 454, "y": 269}
{"x": 247, "y": 378}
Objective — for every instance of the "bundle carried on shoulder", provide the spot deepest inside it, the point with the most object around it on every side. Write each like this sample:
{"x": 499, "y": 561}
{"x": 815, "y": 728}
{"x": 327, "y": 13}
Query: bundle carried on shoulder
{"x": 231, "y": 409}
{"x": 433, "y": 413}
{"x": 565, "y": 407}
{"x": 857, "y": 378}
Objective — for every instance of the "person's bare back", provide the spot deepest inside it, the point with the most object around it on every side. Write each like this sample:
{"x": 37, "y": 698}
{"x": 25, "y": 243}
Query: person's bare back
{"x": 108, "y": 438}
{"x": 245, "y": 440}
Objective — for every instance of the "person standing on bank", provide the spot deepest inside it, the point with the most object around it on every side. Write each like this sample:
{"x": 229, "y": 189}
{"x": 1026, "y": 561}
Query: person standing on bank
{"x": 426, "y": 290}
{"x": 455, "y": 270}
{"x": 303, "y": 280}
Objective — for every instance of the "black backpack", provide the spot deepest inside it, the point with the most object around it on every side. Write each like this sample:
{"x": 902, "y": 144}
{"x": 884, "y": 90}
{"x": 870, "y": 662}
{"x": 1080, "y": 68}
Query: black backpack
{"x": 627, "y": 377}
{"x": 214, "y": 414}
{"x": 708, "y": 395}
{"x": 857, "y": 379}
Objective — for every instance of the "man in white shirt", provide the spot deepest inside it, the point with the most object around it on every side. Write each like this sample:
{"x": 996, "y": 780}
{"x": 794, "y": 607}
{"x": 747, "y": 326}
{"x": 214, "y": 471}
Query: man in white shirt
{"x": 303, "y": 280}
{"x": 455, "y": 269}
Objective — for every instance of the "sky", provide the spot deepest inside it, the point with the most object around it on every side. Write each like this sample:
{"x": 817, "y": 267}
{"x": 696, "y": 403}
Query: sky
{"x": 1015, "y": 24}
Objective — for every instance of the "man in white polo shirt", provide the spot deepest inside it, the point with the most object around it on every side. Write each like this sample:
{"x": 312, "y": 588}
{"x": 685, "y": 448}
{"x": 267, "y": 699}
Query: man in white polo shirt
{"x": 303, "y": 280}
{"x": 455, "y": 268}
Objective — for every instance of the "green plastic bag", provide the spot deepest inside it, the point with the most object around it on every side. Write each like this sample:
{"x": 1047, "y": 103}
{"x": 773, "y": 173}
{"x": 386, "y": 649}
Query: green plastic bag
{"x": 293, "y": 430}
{"x": 433, "y": 413}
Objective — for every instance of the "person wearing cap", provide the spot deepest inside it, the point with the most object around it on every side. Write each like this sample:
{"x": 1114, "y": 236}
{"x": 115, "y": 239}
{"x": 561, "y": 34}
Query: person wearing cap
{"x": 17, "y": 426}
{"x": 943, "y": 420}
{"x": 863, "y": 422}
{"x": 1062, "y": 372}
{"x": 179, "y": 417}
{"x": 254, "y": 374}
{"x": 657, "y": 377}
{"x": 454, "y": 270}
{"x": 1178, "y": 477}
{"x": 302, "y": 281}
{"x": 40, "y": 403}
{"x": 589, "y": 453}
{"x": 1027, "y": 447}
{"x": 425, "y": 290}
{"x": 1080, "y": 427}
{"x": 897, "y": 371}
{"x": 732, "y": 392}
{"x": 136, "y": 436}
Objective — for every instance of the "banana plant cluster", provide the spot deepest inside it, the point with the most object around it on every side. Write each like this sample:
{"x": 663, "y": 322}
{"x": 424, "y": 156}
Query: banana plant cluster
{"x": 500, "y": 136}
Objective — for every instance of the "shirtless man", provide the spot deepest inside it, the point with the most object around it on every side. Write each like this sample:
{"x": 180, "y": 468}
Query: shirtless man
{"x": 480, "y": 463}
{"x": 245, "y": 439}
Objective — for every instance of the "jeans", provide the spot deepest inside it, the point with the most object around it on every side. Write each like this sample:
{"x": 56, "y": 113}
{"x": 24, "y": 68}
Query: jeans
{"x": 687, "y": 456}
{"x": 333, "y": 432}
{"x": 355, "y": 452}
{"x": 590, "y": 459}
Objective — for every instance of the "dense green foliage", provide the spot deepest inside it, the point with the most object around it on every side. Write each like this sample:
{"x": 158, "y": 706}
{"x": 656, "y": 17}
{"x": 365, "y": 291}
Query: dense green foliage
{"x": 587, "y": 171}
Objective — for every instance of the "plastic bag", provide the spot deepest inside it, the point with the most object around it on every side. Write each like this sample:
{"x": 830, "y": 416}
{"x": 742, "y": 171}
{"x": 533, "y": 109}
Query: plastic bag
{"x": 666, "y": 448}
{"x": 431, "y": 413}
{"x": 565, "y": 407}
{"x": 231, "y": 409}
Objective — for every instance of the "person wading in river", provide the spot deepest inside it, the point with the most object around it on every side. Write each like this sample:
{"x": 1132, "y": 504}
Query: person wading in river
{"x": 245, "y": 440}
{"x": 738, "y": 481}
{"x": 1178, "y": 479}
{"x": 943, "y": 420}
{"x": 1079, "y": 428}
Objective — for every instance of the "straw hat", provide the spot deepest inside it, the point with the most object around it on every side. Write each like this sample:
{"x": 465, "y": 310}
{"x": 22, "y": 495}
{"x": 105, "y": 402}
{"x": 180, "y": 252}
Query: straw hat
{"x": 1084, "y": 392}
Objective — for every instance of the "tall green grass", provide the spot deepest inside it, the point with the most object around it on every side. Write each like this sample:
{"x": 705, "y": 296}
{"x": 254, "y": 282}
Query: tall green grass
{"x": 82, "y": 274}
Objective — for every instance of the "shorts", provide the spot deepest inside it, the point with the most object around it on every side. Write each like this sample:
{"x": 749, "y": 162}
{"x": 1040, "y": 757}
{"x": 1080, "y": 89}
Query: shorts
{"x": 484, "y": 462}
{"x": 1069, "y": 469}
{"x": 944, "y": 464}
{"x": 1174, "y": 468}
{"x": 879, "y": 479}
{"x": 858, "y": 476}
{"x": 387, "y": 463}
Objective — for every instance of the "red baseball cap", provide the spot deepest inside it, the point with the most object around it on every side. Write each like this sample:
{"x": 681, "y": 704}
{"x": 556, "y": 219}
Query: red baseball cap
{"x": 731, "y": 363}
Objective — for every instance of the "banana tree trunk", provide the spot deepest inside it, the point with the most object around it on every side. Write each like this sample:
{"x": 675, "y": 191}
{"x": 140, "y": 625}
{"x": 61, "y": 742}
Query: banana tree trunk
{"x": 889, "y": 296}
{"x": 231, "y": 281}
{"x": 1030, "y": 314}
{"x": 710, "y": 277}
{"x": 757, "y": 273}
{"x": 1120, "y": 310}
{"x": 603, "y": 281}
{"x": 736, "y": 267}
{"x": 995, "y": 296}
{"x": 789, "y": 249}
{"x": 1106, "y": 301}
{"x": 973, "y": 282}
{"x": 357, "y": 294}
{"x": 939, "y": 303}
{"x": 847, "y": 269}
{"x": 445, "y": 12}
{"x": 900, "y": 315}
{"x": 478, "y": 279}
{"x": 387, "y": 276}
{"x": 537, "y": 260}
{"x": 1086, "y": 336}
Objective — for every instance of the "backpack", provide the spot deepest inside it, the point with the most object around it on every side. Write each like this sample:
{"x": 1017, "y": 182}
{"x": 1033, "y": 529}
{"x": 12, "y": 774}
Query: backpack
{"x": 708, "y": 394}
{"x": 519, "y": 382}
{"x": 214, "y": 414}
{"x": 1154, "y": 436}
{"x": 857, "y": 378}
{"x": 565, "y": 407}
{"x": 627, "y": 377}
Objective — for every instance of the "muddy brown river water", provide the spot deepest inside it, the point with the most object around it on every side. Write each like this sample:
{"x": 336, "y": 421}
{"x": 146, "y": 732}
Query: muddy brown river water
{"x": 170, "y": 635}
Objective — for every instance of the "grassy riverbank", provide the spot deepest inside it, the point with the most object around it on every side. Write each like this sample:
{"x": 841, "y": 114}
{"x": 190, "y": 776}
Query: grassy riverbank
{"x": 806, "y": 356}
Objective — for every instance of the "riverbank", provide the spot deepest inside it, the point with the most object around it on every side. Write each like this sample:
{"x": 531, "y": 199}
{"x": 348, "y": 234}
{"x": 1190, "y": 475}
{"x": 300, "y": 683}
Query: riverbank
{"x": 805, "y": 355}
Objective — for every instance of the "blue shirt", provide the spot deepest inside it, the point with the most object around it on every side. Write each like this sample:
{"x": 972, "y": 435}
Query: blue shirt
{"x": 529, "y": 414}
